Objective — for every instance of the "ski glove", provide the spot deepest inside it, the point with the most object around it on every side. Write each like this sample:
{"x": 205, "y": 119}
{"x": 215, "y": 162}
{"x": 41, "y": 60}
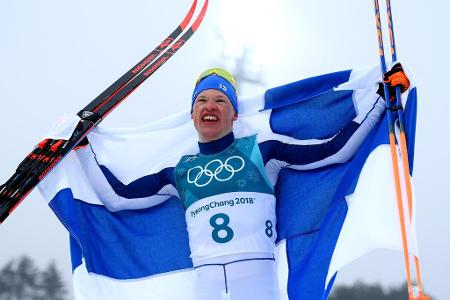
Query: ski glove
{"x": 396, "y": 77}
{"x": 393, "y": 78}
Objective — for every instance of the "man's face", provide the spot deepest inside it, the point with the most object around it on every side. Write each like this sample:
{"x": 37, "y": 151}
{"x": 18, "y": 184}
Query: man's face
{"x": 212, "y": 115}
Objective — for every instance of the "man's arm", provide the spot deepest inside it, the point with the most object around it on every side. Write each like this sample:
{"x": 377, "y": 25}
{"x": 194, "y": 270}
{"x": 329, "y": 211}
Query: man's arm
{"x": 285, "y": 151}
{"x": 141, "y": 193}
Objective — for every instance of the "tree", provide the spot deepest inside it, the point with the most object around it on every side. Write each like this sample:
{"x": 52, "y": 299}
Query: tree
{"x": 358, "y": 291}
{"x": 21, "y": 280}
{"x": 7, "y": 279}
{"x": 18, "y": 280}
{"x": 27, "y": 276}
{"x": 369, "y": 292}
{"x": 51, "y": 284}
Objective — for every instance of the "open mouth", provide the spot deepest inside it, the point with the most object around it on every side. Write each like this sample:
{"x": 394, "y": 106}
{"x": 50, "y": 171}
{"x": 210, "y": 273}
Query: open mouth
{"x": 210, "y": 118}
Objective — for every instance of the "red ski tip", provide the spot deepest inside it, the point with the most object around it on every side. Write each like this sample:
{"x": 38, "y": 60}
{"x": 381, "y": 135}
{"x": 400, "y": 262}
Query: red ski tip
{"x": 188, "y": 17}
{"x": 200, "y": 16}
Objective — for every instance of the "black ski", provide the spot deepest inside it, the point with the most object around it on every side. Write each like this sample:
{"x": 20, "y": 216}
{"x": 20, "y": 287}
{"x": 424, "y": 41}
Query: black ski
{"x": 49, "y": 152}
{"x": 38, "y": 153}
{"x": 109, "y": 92}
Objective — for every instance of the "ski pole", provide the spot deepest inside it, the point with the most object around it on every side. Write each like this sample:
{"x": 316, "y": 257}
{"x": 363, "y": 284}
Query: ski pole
{"x": 403, "y": 145}
{"x": 393, "y": 149}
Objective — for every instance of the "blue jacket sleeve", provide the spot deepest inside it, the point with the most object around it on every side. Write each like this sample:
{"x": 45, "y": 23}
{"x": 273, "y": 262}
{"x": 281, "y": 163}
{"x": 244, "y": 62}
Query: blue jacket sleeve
{"x": 285, "y": 151}
{"x": 141, "y": 193}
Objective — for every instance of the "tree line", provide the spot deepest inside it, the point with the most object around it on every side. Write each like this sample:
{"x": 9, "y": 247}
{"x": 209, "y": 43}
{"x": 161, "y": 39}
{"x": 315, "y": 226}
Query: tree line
{"x": 360, "y": 291}
{"x": 20, "y": 279}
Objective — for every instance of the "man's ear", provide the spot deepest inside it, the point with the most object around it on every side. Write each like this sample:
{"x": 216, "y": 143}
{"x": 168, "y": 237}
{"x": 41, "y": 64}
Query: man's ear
{"x": 235, "y": 117}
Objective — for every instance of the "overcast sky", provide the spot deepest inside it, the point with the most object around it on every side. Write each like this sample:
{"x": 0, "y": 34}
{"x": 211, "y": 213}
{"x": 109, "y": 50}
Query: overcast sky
{"x": 56, "y": 56}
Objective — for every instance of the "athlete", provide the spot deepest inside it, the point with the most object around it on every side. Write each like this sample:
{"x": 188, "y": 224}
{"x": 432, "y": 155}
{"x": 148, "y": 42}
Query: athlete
{"x": 227, "y": 189}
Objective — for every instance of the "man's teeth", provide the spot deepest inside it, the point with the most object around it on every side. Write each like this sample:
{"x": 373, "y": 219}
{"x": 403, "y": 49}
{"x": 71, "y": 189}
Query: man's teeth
{"x": 210, "y": 118}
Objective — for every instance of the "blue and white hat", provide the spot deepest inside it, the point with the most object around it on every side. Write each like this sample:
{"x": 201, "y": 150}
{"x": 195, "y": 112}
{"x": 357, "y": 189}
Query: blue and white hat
{"x": 216, "y": 79}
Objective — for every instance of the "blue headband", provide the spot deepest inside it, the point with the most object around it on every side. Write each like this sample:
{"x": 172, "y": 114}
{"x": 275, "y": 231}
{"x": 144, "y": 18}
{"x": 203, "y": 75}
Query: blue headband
{"x": 218, "y": 83}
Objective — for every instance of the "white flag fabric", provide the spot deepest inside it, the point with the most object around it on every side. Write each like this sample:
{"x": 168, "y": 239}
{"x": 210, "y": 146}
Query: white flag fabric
{"x": 327, "y": 211}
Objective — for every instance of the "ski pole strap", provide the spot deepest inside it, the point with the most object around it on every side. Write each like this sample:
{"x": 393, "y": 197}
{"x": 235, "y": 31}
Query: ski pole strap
{"x": 395, "y": 107}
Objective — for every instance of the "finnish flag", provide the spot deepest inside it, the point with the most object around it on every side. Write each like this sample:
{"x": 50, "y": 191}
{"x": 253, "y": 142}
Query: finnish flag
{"x": 328, "y": 213}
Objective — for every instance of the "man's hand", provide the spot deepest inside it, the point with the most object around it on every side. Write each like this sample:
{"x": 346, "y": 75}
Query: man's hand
{"x": 393, "y": 78}
{"x": 396, "y": 77}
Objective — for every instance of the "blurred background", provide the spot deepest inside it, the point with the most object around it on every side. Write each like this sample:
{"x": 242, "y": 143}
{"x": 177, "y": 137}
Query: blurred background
{"x": 56, "y": 56}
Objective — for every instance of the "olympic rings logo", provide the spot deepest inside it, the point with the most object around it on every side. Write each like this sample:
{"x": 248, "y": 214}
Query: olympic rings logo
{"x": 215, "y": 169}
